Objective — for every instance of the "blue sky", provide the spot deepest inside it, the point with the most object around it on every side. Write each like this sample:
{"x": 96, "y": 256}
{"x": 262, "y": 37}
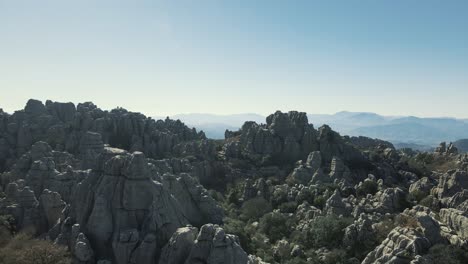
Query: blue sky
{"x": 167, "y": 57}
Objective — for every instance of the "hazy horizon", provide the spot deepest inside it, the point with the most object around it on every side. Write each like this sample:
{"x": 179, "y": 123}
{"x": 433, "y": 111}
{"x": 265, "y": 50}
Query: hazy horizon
{"x": 395, "y": 58}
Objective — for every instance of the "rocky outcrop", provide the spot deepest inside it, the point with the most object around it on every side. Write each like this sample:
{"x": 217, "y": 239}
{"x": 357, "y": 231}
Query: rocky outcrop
{"x": 52, "y": 206}
{"x": 194, "y": 201}
{"x": 284, "y": 138}
{"x": 443, "y": 149}
{"x": 123, "y": 205}
{"x": 456, "y": 220}
{"x": 304, "y": 172}
{"x": 211, "y": 245}
{"x": 65, "y": 127}
{"x": 361, "y": 232}
{"x": 401, "y": 246}
{"x": 177, "y": 250}
{"x": 422, "y": 186}
{"x": 450, "y": 183}
{"x": 336, "y": 206}
{"x": 390, "y": 200}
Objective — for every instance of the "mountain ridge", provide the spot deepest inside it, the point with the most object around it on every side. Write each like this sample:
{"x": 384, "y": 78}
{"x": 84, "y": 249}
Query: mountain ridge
{"x": 424, "y": 131}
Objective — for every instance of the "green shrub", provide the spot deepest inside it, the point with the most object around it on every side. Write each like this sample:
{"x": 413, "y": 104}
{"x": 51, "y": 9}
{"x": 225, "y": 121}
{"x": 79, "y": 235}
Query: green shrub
{"x": 255, "y": 208}
{"x": 296, "y": 260}
{"x": 238, "y": 228}
{"x": 274, "y": 225}
{"x": 447, "y": 254}
{"x": 319, "y": 202}
{"x": 431, "y": 202}
{"x": 326, "y": 231}
{"x": 417, "y": 195}
{"x": 367, "y": 187}
{"x": 289, "y": 207}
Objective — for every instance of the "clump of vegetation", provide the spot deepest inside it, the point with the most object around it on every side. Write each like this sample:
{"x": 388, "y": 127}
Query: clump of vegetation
{"x": 255, "y": 208}
{"x": 431, "y": 202}
{"x": 447, "y": 254}
{"x": 23, "y": 249}
{"x": 407, "y": 221}
{"x": 275, "y": 226}
{"x": 289, "y": 207}
{"x": 319, "y": 201}
{"x": 367, "y": 187}
{"x": 326, "y": 231}
{"x": 238, "y": 228}
{"x": 417, "y": 195}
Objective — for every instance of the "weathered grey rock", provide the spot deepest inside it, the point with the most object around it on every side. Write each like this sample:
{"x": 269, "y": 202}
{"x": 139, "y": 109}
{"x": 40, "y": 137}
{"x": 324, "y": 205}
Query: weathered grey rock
{"x": 457, "y": 199}
{"x": 82, "y": 249}
{"x": 91, "y": 146}
{"x": 361, "y": 232}
{"x": 314, "y": 160}
{"x": 386, "y": 201}
{"x": 52, "y": 205}
{"x": 123, "y": 244}
{"x": 447, "y": 150}
{"x": 401, "y": 246}
{"x": 450, "y": 183}
{"x": 34, "y": 107}
{"x": 178, "y": 248}
{"x": 63, "y": 111}
{"x": 331, "y": 145}
{"x": 112, "y": 204}
{"x": 192, "y": 199}
{"x": 214, "y": 246}
{"x": 302, "y": 174}
{"x": 456, "y": 220}
{"x": 423, "y": 185}
{"x": 336, "y": 206}
{"x": 286, "y": 137}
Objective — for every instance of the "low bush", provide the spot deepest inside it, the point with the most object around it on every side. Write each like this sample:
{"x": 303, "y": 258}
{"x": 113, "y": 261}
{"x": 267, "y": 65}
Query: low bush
{"x": 367, "y": 187}
{"x": 326, "y": 231}
{"x": 275, "y": 226}
{"x": 22, "y": 249}
{"x": 447, "y": 254}
{"x": 255, "y": 208}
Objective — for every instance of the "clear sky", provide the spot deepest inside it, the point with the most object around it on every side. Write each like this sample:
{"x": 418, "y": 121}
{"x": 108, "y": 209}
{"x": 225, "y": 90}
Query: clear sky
{"x": 399, "y": 57}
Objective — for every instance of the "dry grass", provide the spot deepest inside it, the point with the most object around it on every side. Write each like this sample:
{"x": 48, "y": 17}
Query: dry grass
{"x": 22, "y": 249}
{"x": 407, "y": 221}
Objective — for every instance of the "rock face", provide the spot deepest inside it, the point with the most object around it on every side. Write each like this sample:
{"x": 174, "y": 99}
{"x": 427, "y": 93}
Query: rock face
{"x": 456, "y": 220}
{"x": 450, "y": 183}
{"x": 211, "y": 245}
{"x": 305, "y": 171}
{"x": 179, "y": 246}
{"x": 123, "y": 205}
{"x": 197, "y": 206}
{"x": 286, "y": 137}
{"x": 401, "y": 245}
{"x": 106, "y": 203}
{"x": 65, "y": 127}
{"x": 423, "y": 185}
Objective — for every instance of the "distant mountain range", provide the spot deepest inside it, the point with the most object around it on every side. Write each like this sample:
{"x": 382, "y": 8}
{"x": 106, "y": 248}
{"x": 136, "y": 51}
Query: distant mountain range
{"x": 403, "y": 131}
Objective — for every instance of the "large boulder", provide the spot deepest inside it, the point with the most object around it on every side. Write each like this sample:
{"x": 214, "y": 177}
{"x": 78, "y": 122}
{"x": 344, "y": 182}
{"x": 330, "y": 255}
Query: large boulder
{"x": 111, "y": 206}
